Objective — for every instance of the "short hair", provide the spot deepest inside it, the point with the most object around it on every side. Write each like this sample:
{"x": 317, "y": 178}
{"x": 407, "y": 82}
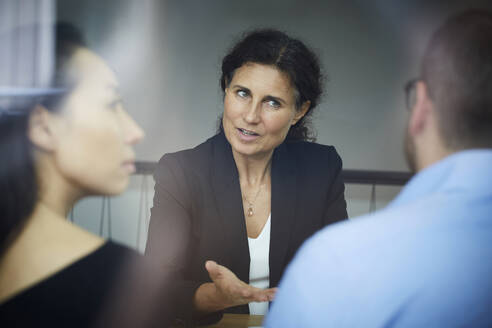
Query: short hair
{"x": 289, "y": 55}
{"x": 457, "y": 68}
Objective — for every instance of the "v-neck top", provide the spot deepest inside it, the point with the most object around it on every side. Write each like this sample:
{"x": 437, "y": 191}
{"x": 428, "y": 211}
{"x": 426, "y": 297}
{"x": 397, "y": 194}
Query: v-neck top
{"x": 259, "y": 269}
{"x": 72, "y": 297}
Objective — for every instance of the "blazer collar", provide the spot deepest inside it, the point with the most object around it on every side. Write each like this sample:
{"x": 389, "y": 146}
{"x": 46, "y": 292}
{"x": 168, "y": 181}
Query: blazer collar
{"x": 227, "y": 190}
{"x": 224, "y": 169}
{"x": 283, "y": 206}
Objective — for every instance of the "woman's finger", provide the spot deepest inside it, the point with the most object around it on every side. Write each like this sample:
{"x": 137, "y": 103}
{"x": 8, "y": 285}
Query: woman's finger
{"x": 213, "y": 270}
{"x": 271, "y": 293}
{"x": 259, "y": 295}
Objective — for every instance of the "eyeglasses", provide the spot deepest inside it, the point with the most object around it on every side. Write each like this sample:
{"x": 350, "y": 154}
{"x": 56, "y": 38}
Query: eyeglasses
{"x": 410, "y": 93}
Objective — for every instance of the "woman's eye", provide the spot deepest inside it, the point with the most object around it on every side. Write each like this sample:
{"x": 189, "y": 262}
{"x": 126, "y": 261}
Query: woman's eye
{"x": 273, "y": 103}
{"x": 242, "y": 93}
{"x": 115, "y": 104}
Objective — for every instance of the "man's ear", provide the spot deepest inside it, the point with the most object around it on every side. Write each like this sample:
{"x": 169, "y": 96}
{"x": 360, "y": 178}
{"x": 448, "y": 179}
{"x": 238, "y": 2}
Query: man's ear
{"x": 300, "y": 113}
{"x": 41, "y": 129}
{"x": 421, "y": 111}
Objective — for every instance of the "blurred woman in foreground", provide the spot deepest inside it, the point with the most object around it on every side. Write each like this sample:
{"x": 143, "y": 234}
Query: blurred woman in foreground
{"x": 68, "y": 142}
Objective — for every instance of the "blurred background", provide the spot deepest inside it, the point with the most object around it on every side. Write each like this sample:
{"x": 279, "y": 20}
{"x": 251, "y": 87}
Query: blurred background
{"x": 167, "y": 55}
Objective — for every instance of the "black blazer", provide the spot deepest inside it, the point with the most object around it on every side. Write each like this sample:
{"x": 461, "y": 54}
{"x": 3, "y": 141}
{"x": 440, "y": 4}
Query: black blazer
{"x": 197, "y": 213}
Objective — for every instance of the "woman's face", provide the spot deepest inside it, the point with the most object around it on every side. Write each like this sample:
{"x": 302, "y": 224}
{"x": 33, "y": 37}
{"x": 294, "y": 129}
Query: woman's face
{"x": 94, "y": 134}
{"x": 259, "y": 109}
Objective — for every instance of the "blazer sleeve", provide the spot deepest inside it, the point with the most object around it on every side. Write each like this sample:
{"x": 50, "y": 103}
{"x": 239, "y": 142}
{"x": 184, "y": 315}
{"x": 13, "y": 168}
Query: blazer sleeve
{"x": 170, "y": 237}
{"x": 336, "y": 208}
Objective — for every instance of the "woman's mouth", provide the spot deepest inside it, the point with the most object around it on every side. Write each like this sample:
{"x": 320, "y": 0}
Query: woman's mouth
{"x": 248, "y": 132}
{"x": 247, "y": 135}
{"x": 129, "y": 166}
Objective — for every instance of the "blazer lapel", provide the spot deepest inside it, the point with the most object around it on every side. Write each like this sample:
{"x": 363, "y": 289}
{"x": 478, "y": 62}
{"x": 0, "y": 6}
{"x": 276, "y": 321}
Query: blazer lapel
{"x": 283, "y": 207}
{"x": 227, "y": 191}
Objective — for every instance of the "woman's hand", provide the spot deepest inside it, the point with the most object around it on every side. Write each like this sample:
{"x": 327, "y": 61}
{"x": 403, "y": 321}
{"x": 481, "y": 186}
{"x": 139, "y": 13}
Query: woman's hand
{"x": 227, "y": 290}
{"x": 233, "y": 290}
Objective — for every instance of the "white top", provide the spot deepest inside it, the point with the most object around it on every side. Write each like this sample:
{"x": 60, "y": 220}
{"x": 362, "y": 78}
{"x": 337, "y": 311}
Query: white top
{"x": 259, "y": 269}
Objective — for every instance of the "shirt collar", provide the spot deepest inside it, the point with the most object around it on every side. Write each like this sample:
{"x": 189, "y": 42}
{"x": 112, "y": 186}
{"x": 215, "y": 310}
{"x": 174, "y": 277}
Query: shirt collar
{"x": 469, "y": 170}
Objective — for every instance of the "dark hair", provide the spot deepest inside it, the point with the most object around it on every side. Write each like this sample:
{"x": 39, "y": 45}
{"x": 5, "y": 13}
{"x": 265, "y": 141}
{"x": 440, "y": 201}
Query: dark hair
{"x": 457, "y": 68}
{"x": 289, "y": 55}
{"x": 18, "y": 177}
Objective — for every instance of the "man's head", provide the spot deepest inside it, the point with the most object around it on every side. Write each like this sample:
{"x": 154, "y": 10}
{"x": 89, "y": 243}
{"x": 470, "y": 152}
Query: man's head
{"x": 453, "y": 97}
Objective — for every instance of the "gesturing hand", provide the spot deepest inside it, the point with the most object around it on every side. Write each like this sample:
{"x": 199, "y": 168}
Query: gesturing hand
{"x": 234, "y": 291}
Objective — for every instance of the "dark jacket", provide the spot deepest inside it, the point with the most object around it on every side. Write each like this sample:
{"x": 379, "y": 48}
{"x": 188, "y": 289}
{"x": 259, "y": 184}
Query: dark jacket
{"x": 198, "y": 211}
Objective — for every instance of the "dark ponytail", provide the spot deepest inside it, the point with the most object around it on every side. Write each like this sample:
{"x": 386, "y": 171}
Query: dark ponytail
{"x": 18, "y": 184}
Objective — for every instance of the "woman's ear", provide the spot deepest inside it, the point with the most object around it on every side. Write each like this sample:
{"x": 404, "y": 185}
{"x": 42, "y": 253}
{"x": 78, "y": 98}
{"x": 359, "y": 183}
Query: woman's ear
{"x": 226, "y": 85}
{"x": 41, "y": 129}
{"x": 300, "y": 113}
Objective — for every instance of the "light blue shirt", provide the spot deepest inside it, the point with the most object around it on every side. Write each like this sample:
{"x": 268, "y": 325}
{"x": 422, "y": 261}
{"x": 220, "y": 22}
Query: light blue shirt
{"x": 423, "y": 261}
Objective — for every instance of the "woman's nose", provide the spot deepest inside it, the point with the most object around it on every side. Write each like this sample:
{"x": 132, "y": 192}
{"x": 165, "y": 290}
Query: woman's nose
{"x": 137, "y": 134}
{"x": 252, "y": 115}
{"x": 133, "y": 132}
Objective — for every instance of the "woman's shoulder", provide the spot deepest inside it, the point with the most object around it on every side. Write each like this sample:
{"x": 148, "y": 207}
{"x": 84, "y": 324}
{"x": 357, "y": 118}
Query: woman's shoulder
{"x": 80, "y": 290}
{"x": 314, "y": 160}
{"x": 310, "y": 149}
{"x": 114, "y": 250}
{"x": 183, "y": 169}
{"x": 105, "y": 261}
{"x": 192, "y": 156}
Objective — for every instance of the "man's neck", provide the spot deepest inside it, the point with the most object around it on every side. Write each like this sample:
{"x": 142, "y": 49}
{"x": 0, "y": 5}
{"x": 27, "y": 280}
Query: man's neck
{"x": 431, "y": 155}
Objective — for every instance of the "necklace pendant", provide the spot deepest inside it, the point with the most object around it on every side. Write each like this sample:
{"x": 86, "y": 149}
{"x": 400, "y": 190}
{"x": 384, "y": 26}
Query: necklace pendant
{"x": 250, "y": 211}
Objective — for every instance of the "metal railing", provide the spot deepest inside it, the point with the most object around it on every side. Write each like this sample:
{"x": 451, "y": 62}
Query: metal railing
{"x": 145, "y": 169}
{"x": 370, "y": 177}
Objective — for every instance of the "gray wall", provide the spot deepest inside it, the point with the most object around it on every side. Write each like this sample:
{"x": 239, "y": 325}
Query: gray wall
{"x": 167, "y": 55}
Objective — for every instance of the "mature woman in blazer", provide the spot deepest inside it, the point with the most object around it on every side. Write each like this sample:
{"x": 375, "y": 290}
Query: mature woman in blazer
{"x": 259, "y": 178}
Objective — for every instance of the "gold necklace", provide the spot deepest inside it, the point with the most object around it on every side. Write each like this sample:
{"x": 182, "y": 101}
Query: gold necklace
{"x": 251, "y": 204}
